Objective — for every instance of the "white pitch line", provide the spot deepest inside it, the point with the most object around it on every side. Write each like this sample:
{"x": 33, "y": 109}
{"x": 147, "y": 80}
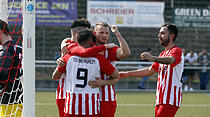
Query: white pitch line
{"x": 45, "y": 104}
{"x": 185, "y": 105}
{"x": 135, "y": 105}
{"x": 130, "y": 105}
{"x": 197, "y": 105}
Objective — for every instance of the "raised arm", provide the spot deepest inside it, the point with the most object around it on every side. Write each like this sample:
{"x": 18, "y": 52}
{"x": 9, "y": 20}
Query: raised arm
{"x": 124, "y": 50}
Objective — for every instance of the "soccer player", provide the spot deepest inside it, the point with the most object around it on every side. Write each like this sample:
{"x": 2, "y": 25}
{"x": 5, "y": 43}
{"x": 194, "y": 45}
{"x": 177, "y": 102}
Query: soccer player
{"x": 77, "y": 25}
{"x": 11, "y": 93}
{"x": 81, "y": 99}
{"x": 69, "y": 45}
{"x": 169, "y": 65}
{"x": 108, "y": 102}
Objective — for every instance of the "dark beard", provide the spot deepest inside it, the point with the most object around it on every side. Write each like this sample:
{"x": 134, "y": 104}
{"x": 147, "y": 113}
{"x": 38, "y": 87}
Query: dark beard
{"x": 165, "y": 43}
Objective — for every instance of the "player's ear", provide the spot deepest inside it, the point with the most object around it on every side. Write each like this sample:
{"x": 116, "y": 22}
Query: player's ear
{"x": 172, "y": 36}
{"x": 94, "y": 33}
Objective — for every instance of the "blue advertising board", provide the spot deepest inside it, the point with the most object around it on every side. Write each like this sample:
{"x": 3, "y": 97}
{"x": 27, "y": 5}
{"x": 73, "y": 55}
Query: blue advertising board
{"x": 48, "y": 12}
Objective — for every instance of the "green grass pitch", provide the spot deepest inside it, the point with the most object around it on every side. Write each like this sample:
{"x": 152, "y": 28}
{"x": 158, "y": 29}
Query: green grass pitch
{"x": 133, "y": 104}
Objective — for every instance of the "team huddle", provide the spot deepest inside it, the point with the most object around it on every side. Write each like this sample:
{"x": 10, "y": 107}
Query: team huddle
{"x": 86, "y": 71}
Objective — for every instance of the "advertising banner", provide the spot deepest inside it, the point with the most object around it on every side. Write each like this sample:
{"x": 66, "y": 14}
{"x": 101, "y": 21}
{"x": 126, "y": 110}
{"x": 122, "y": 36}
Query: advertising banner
{"x": 191, "y": 17}
{"x": 48, "y": 12}
{"x": 126, "y": 13}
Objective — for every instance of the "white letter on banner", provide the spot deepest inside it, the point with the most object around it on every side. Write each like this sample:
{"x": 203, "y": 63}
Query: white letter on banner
{"x": 206, "y": 12}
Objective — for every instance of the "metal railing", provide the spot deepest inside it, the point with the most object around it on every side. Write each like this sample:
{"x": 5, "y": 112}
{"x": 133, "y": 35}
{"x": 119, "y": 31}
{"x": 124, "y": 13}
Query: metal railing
{"x": 46, "y": 66}
{"x": 122, "y": 65}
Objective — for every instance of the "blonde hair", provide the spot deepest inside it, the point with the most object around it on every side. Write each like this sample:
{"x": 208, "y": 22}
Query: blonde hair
{"x": 101, "y": 24}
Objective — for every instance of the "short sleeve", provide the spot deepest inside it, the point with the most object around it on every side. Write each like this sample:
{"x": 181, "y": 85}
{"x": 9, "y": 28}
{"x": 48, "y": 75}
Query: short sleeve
{"x": 112, "y": 54}
{"x": 69, "y": 41}
{"x": 155, "y": 66}
{"x": 177, "y": 54}
{"x": 71, "y": 46}
{"x": 105, "y": 66}
{"x": 65, "y": 58}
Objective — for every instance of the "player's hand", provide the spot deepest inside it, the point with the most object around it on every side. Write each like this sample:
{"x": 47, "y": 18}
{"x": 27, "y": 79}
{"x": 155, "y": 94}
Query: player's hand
{"x": 147, "y": 56}
{"x": 97, "y": 83}
{"x": 60, "y": 62}
{"x": 110, "y": 45}
{"x": 114, "y": 28}
{"x": 123, "y": 74}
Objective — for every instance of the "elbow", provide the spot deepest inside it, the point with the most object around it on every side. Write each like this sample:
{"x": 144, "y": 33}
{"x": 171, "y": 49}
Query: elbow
{"x": 125, "y": 55}
{"x": 115, "y": 74}
{"x": 128, "y": 53}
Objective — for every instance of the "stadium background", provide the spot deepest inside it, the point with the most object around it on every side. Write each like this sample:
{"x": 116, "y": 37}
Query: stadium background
{"x": 48, "y": 39}
{"x": 133, "y": 104}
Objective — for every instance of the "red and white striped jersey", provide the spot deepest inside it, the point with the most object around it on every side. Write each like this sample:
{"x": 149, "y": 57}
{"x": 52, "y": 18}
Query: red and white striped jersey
{"x": 169, "y": 82}
{"x": 82, "y": 103}
{"x": 75, "y": 49}
{"x": 107, "y": 92}
{"x": 60, "y": 92}
{"x": 81, "y": 99}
